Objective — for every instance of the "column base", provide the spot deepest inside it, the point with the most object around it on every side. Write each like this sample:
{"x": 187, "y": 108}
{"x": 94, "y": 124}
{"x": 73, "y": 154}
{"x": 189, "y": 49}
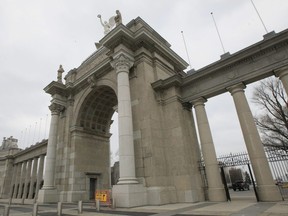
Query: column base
{"x": 127, "y": 181}
{"x": 129, "y": 195}
{"x": 269, "y": 193}
{"x": 217, "y": 195}
{"x": 48, "y": 196}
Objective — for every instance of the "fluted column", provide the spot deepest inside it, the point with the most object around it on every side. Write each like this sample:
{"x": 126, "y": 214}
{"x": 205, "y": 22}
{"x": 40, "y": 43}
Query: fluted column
{"x": 283, "y": 76}
{"x": 49, "y": 193}
{"x": 267, "y": 190}
{"x": 122, "y": 63}
{"x": 27, "y": 179}
{"x": 39, "y": 175}
{"x": 22, "y": 180}
{"x": 216, "y": 190}
{"x": 33, "y": 178}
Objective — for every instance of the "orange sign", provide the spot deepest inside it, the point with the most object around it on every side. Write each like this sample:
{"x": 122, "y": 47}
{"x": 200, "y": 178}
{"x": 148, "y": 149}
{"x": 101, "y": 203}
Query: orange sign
{"x": 103, "y": 196}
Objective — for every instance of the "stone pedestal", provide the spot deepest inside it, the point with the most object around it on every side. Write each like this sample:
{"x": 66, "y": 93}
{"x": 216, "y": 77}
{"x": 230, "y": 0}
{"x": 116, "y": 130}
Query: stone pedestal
{"x": 48, "y": 196}
{"x": 129, "y": 195}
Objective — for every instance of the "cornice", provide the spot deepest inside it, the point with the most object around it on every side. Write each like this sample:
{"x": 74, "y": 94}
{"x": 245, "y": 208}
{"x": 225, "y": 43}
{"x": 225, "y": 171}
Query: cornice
{"x": 245, "y": 56}
{"x": 174, "y": 80}
{"x": 142, "y": 36}
{"x": 33, "y": 151}
{"x": 56, "y": 88}
{"x": 248, "y": 65}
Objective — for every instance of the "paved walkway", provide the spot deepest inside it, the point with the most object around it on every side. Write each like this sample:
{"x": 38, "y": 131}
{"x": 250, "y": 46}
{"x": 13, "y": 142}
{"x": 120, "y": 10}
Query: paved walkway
{"x": 234, "y": 208}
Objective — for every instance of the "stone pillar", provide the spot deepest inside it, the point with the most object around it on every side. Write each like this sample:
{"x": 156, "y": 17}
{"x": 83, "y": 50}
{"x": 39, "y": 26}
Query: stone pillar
{"x": 266, "y": 187}
{"x": 22, "y": 179}
{"x": 216, "y": 190}
{"x": 39, "y": 176}
{"x": 128, "y": 192}
{"x": 13, "y": 183}
{"x": 49, "y": 192}
{"x": 33, "y": 178}
{"x": 122, "y": 63}
{"x": 17, "y": 180}
{"x": 27, "y": 179}
{"x": 283, "y": 76}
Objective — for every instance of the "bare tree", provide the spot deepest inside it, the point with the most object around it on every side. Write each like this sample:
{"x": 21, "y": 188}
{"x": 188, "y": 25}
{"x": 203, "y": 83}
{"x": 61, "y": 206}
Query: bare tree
{"x": 272, "y": 118}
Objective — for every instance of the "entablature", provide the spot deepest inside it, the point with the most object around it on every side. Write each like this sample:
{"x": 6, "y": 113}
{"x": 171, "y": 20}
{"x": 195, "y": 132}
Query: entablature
{"x": 253, "y": 63}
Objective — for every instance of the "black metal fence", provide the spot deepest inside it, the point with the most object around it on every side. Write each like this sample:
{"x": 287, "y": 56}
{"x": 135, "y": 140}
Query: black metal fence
{"x": 278, "y": 162}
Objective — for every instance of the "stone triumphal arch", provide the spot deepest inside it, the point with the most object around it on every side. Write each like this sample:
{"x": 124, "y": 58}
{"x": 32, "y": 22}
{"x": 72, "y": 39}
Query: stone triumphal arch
{"x": 135, "y": 73}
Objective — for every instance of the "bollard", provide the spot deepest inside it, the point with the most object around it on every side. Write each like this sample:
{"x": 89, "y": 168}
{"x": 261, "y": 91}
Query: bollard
{"x": 80, "y": 207}
{"x": 35, "y": 209}
{"x": 6, "y": 210}
{"x": 59, "y": 209}
{"x": 97, "y": 205}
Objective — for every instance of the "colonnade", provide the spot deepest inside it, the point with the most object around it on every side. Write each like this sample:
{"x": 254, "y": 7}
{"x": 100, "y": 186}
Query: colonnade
{"x": 267, "y": 191}
{"x": 27, "y": 178}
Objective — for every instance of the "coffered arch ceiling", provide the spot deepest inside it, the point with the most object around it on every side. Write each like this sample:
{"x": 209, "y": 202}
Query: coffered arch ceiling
{"x": 97, "y": 110}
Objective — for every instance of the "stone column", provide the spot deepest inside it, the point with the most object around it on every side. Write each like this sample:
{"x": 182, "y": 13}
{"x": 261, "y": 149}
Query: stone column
{"x": 17, "y": 180}
{"x": 22, "y": 180}
{"x": 33, "y": 178}
{"x": 49, "y": 193}
{"x": 27, "y": 179}
{"x": 13, "y": 183}
{"x": 216, "y": 190}
{"x": 283, "y": 76}
{"x": 39, "y": 176}
{"x": 266, "y": 188}
{"x": 122, "y": 63}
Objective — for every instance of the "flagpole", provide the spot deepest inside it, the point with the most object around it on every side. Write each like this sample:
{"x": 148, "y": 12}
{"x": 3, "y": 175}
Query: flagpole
{"x": 186, "y": 49}
{"x": 218, "y": 33}
{"x": 259, "y": 16}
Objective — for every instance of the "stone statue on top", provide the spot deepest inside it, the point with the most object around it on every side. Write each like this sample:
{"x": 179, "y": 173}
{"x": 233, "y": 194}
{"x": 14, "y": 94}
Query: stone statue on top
{"x": 114, "y": 20}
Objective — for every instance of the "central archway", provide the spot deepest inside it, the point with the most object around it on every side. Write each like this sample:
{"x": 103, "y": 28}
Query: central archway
{"x": 97, "y": 110}
{"x": 91, "y": 142}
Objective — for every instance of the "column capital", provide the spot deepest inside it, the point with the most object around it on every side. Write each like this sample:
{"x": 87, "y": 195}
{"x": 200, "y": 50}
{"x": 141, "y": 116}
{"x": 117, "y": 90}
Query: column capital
{"x": 199, "y": 101}
{"x": 122, "y": 62}
{"x": 236, "y": 88}
{"x": 281, "y": 72}
{"x": 56, "y": 108}
{"x": 187, "y": 106}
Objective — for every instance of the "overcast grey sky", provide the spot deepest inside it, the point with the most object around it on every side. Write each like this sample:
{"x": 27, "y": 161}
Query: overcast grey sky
{"x": 37, "y": 35}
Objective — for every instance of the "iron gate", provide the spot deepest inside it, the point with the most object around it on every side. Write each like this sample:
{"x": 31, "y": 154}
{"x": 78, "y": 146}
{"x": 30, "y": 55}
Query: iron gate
{"x": 278, "y": 162}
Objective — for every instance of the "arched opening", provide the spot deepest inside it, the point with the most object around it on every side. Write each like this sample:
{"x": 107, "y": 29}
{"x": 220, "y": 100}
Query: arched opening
{"x": 97, "y": 110}
{"x": 92, "y": 140}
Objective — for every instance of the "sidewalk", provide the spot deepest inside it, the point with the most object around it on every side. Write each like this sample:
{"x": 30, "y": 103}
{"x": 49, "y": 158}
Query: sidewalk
{"x": 234, "y": 208}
